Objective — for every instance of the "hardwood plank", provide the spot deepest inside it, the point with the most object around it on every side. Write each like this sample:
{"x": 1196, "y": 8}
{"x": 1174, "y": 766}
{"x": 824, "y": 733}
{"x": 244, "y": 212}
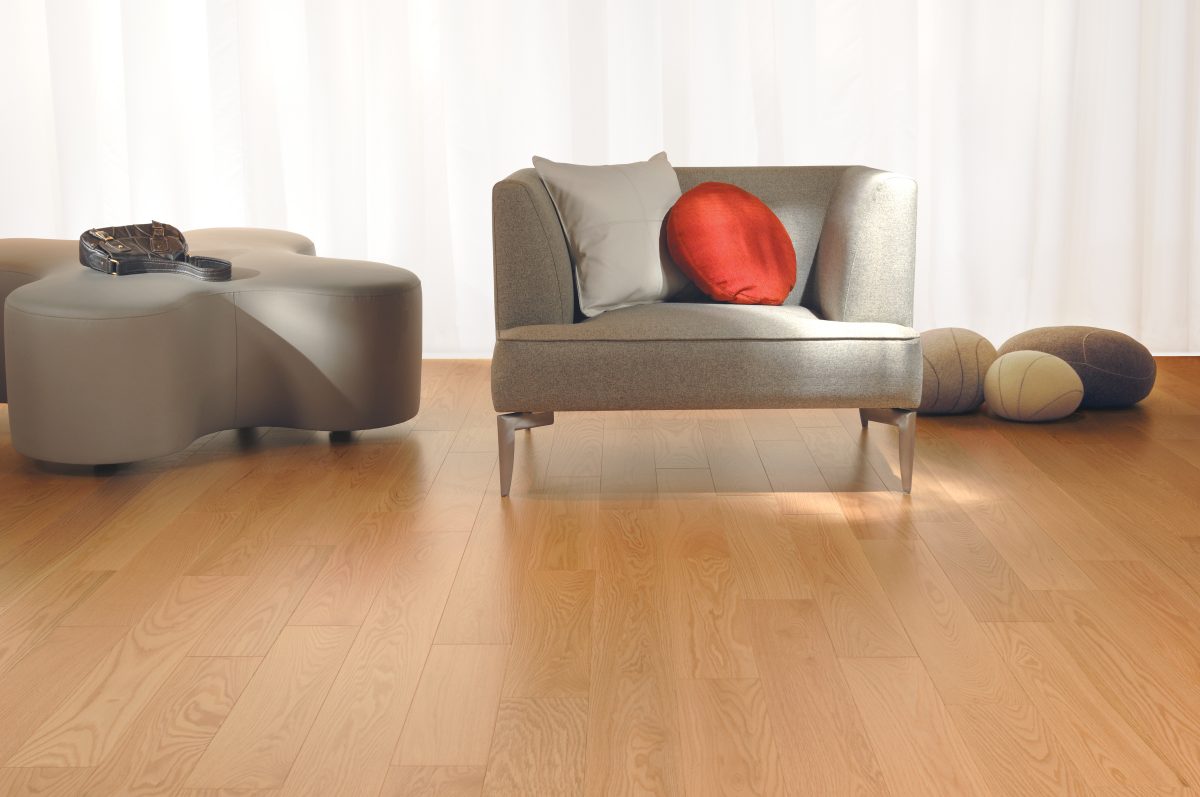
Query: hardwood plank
{"x": 355, "y": 733}
{"x": 678, "y": 444}
{"x": 35, "y": 685}
{"x": 1105, "y": 748}
{"x": 42, "y": 781}
{"x": 848, "y": 595}
{"x": 632, "y": 717}
{"x": 764, "y": 555}
{"x": 433, "y": 782}
{"x": 171, "y": 734}
{"x": 539, "y": 747}
{"x": 821, "y": 738}
{"x": 685, "y": 480}
{"x": 919, "y": 747}
{"x": 771, "y": 424}
{"x": 258, "y": 615}
{"x": 552, "y": 646}
{"x": 562, "y": 531}
{"x": 454, "y": 497}
{"x": 947, "y": 638}
{"x": 32, "y": 616}
{"x": 728, "y": 743}
{"x": 354, "y": 571}
{"x": 482, "y": 608}
{"x": 1160, "y": 706}
{"x": 258, "y": 741}
{"x": 733, "y": 460}
{"x": 453, "y": 713}
{"x": 628, "y": 462}
{"x": 102, "y": 706}
{"x": 982, "y": 578}
{"x": 578, "y": 445}
{"x": 709, "y": 628}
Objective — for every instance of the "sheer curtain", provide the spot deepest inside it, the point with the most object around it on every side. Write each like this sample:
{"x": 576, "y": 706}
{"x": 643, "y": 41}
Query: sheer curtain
{"x": 1056, "y": 142}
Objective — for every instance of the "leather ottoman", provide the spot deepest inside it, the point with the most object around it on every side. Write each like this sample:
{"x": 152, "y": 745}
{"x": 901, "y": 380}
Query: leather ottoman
{"x": 102, "y": 370}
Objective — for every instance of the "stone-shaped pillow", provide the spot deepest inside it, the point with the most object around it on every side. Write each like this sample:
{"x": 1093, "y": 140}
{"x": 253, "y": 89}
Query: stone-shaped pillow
{"x": 1116, "y": 370}
{"x": 1032, "y": 386}
{"x": 955, "y": 361}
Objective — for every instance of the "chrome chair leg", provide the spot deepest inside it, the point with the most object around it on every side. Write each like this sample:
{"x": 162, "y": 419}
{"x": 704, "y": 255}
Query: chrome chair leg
{"x": 906, "y": 422}
{"x": 506, "y": 426}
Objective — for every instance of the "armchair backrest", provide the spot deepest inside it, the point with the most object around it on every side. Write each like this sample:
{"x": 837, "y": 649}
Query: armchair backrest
{"x": 534, "y": 280}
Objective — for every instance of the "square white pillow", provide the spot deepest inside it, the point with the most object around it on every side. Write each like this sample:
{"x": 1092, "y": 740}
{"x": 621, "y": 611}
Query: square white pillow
{"x": 613, "y": 219}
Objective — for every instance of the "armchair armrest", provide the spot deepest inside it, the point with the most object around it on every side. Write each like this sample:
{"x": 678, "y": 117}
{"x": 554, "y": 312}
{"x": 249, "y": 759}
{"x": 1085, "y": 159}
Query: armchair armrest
{"x": 866, "y": 256}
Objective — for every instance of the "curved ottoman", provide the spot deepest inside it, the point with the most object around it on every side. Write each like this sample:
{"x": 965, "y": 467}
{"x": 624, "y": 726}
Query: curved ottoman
{"x": 104, "y": 370}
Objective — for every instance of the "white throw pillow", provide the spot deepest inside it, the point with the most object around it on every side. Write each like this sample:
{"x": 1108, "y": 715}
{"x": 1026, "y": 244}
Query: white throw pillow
{"x": 613, "y": 219}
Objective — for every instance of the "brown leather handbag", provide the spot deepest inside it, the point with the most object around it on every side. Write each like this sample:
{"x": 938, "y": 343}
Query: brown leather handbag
{"x": 153, "y": 248}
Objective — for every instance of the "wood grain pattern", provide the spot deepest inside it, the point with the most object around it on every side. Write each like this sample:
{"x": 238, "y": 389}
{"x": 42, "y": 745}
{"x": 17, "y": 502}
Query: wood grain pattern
{"x": 87, "y": 725}
{"x": 920, "y": 749}
{"x": 764, "y": 555}
{"x": 171, "y": 734}
{"x": 258, "y": 741}
{"x": 350, "y": 744}
{"x": 552, "y": 646}
{"x": 728, "y": 743}
{"x": 710, "y": 635}
{"x": 859, "y": 617}
{"x": 821, "y": 737}
{"x": 433, "y": 782}
{"x": 253, "y": 622}
{"x": 33, "y": 686}
{"x": 539, "y": 747}
{"x": 451, "y": 718}
{"x": 727, "y": 601}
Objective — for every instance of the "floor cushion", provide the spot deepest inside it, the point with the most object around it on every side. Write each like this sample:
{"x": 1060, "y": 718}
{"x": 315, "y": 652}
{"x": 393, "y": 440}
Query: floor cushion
{"x": 1116, "y": 370}
{"x": 955, "y": 362}
{"x": 1032, "y": 386}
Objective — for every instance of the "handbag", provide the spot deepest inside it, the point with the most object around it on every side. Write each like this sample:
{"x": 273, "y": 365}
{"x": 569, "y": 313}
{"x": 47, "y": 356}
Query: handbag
{"x": 153, "y": 248}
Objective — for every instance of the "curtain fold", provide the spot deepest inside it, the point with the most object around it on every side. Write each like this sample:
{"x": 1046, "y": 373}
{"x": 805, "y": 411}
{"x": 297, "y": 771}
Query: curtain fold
{"x": 1056, "y": 142}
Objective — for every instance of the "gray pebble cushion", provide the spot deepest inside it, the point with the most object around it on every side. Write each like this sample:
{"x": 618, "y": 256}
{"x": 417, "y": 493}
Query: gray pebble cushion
{"x": 955, "y": 363}
{"x": 1116, "y": 370}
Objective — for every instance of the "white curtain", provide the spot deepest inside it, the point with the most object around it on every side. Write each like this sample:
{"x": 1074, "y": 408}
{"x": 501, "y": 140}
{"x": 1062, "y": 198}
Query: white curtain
{"x": 1056, "y": 142}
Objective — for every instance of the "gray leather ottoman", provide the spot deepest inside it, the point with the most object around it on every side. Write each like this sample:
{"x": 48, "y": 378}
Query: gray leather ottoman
{"x": 106, "y": 369}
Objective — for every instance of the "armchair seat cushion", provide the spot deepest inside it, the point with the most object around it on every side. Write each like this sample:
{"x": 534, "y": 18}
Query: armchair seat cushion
{"x": 706, "y": 356}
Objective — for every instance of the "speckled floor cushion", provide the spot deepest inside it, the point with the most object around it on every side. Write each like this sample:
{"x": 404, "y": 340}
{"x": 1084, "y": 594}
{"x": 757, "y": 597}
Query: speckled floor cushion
{"x": 102, "y": 369}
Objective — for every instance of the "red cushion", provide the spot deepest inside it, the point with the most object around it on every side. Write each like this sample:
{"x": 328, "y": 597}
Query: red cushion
{"x": 731, "y": 245}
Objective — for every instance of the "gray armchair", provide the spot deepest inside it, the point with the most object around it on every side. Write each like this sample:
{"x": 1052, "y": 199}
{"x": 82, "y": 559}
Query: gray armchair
{"x": 842, "y": 339}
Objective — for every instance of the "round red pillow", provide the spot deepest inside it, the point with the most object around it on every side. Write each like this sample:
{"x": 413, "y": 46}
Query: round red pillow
{"x": 731, "y": 245}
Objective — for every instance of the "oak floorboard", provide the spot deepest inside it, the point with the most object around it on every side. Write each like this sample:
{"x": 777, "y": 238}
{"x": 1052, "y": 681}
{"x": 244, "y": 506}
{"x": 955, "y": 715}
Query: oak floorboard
{"x": 252, "y": 623}
{"x": 946, "y": 636}
{"x": 920, "y": 749}
{"x": 710, "y": 631}
{"x": 853, "y": 605}
{"x": 351, "y": 742}
{"x": 632, "y": 717}
{"x": 982, "y": 578}
{"x": 1105, "y": 748}
{"x": 728, "y": 743}
{"x": 1151, "y": 697}
{"x": 105, "y": 702}
{"x": 33, "y": 616}
{"x": 433, "y": 782}
{"x": 256, "y": 744}
{"x": 678, "y": 443}
{"x": 353, "y": 573}
{"x": 170, "y": 735}
{"x": 450, "y": 722}
{"x": 42, "y": 781}
{"x": 823, "y": 745}
{"x": 539, "y": 747}
{"x": 552, "y": 645}
{"x": 628, "y": 462}
{"x": 762, "y": 550}
{"x": 482, "y": 608}
{"x": 33, "y": 687}
{"x": 733, "y": 459}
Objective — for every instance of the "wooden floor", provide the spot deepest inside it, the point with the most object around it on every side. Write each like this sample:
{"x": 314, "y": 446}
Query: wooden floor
{"x": 670, "y": 603}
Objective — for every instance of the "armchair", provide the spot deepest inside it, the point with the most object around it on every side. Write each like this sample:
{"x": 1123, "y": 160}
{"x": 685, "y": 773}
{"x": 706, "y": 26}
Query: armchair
{"x": 843, "y": 338}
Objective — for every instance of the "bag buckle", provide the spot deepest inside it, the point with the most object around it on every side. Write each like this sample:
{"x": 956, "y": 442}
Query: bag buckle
{"x": 113, "y": 265}
{"x": 101, "y": 234}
